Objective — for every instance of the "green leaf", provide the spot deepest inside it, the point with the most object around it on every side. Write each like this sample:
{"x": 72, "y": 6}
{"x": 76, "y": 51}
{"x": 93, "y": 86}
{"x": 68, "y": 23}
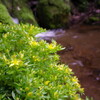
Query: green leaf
{"x": 13, "y": 95}
{"x": 18, "y": 91}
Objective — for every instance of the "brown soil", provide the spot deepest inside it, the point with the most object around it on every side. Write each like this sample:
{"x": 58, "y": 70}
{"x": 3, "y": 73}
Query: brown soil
{"x": 82, "y": 54}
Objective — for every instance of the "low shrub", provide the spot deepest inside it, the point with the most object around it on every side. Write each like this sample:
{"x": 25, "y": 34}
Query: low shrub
{"x": 30, "y": 69}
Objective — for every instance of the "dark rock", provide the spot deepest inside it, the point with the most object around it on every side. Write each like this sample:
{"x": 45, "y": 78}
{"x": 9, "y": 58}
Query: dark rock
{"x": 53, "y": 13}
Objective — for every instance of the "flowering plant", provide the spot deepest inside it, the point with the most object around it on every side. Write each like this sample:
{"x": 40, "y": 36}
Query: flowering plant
{"x": 30, "y": 69}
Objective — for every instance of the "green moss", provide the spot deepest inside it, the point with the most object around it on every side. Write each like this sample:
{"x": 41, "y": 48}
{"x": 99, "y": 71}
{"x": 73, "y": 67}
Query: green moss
{"x": 25, "y": 15}
{"x": 4, "y": 15}
{"x": 94, "y": 18}
{"x": 21, "y": 11}
{"x": 8, "y": 4}
{"x": 53, "y": 13}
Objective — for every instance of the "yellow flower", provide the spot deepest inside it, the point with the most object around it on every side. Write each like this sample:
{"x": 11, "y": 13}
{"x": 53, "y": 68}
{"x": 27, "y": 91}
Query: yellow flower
{"x": 76, "y": 97}
{"x": 5, "y": 35}
{"x": 17, "y": 98}
{"x": 20, "y": 89}
{"x": 82, "y": 90}
{"x": 47, "y": 82}
{"x": 36, "y": 58}
{"x": 65, "y": 78}
{"x": 50, "y": 46}
{"x": 78, "y": 85}
{"x": 68, "y": 70}
{"x": 59, "y": 86}
{"x": 31, "y": 28}
{"x": 34, "y": 43}
{"x": 26, "y": 89}
{"x": 41, "y": 88}
{"x": 51, "y": 86}
{"x": 16, "y": 62}
{"x": 56, "y": 94}
{"x": 60, "y": 68}
{"x": 29, "y": 94}
{"x": 74, "y": 79}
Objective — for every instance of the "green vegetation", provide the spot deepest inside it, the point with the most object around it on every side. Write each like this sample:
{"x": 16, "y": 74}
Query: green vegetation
{"x": 46, "y": 13}
{"x": 53, "y": 13}
{"x": 30, "y": 69}
{"x": 20, "y": 10}
{"x": 94, "y": 18}
{"x": 23, "y": 12}
{"x": 83, "y": 5}
{"x": 4, "y": 15}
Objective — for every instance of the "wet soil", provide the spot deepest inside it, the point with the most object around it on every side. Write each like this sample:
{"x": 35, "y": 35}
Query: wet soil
{"x": 82, "y": 54}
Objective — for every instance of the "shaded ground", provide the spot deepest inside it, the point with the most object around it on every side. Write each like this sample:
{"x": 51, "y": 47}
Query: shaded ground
{"x": 82, "y": 54}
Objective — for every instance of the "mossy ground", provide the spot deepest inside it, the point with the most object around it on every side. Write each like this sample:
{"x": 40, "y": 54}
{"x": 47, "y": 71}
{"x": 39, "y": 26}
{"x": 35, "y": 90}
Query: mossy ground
{"x": 23, "y": 13}
{"x": 4, "y": 15}
{"x": 53, "y": 13}
{"x": 20, "y": 10}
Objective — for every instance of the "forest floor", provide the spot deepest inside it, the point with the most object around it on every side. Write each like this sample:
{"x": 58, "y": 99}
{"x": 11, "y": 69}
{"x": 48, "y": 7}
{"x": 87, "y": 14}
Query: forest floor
{"x": 82, "y": 54}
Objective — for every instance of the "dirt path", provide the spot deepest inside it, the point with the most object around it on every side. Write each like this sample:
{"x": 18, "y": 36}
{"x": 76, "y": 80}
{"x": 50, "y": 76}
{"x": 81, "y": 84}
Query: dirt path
{"x": 82, "y": 54}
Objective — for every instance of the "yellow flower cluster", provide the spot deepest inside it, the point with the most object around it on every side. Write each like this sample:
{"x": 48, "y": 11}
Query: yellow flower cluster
{"x": 41, "y": 87}
{"x": 36, "y": 58}
{"x": 17, "y": 99}
{"x": 16, "y": 62}
{"x": 60, "y": 86}
{"x": 34, "y": 43}
{"x": 51, "y": 46}
{"x": 31, "y": 28}
{"x": 74, "y": 79}
{"x": 61, "y": 67}
{"x": 56, "y": 94}
{"x": 76, "y": 97}
{"x": 68, "y": 70}
{"x": 46, "y": 82}
{"x": 27, "y": 89}
{"x": 29, "y": 94}
{"x": 6, "y": 35}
